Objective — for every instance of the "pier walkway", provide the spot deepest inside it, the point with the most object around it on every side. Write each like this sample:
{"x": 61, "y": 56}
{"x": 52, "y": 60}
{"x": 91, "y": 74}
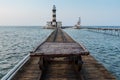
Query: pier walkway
{"x": 109, "y": 31}
{"x": 55, "y": 57}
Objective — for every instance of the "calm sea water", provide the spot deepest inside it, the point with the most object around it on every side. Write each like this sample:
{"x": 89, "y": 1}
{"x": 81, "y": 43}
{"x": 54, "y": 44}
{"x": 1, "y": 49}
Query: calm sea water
{"x": 16, "y": 42}
{"x": 104, "y": 47}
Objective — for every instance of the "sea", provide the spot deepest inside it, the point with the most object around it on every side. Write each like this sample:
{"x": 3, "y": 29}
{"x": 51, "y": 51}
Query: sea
{"x": 17, "y": 41}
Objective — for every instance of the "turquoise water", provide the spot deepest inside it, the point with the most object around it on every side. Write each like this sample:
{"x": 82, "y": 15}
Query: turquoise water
{"x": 16, "y": 42}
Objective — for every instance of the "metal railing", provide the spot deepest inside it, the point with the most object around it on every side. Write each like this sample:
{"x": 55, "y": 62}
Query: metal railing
{"x": 109, "y": 31}
{"x": 12, "y": 72}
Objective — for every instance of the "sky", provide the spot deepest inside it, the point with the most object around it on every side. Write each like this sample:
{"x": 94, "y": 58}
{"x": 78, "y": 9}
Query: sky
{"x": 38, "y": 12}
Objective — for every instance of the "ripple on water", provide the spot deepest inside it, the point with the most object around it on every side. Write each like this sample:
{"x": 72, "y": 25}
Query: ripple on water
{"x": 105, "y": 48}
{"x": 15, "y": 44}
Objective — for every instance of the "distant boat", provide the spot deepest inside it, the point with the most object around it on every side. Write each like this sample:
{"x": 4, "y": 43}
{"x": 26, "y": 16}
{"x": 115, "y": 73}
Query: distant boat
{"x": 77, "y": 26}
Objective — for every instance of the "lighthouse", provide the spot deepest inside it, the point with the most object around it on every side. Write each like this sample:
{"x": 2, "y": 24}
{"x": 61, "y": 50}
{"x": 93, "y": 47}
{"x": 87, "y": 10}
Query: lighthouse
{"x": 53, "y": 23}
{"x": 54, "y": 16}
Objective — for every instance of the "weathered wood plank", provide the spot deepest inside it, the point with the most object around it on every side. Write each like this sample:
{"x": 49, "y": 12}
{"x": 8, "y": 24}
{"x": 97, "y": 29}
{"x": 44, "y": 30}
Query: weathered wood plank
{"x": 60, "y": 49}
{"x": 30, "y": 71}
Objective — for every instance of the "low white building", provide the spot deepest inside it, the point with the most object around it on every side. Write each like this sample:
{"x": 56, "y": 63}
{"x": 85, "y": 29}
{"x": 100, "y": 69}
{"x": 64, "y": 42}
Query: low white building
{"x": 50, "y": 24}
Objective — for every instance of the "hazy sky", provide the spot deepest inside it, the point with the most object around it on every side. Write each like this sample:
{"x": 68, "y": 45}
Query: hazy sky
{"x": 37, "y": 12}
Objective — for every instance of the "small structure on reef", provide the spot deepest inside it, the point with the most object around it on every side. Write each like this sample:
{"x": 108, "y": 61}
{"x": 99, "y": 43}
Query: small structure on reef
{"x": 53, "y": 24}
{"x": 77, "y": 26}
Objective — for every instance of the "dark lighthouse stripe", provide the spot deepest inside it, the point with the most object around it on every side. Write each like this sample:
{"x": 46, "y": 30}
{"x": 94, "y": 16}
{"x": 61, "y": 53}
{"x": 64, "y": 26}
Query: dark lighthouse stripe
{"x": 54, "y": 16}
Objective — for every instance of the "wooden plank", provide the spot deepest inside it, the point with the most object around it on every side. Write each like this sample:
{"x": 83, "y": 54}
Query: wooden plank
{"x": 93, "y": 70}
{"x": 60, "y": 49}
{"x": 30, "y": 71}
{"x": 58, "y": 55}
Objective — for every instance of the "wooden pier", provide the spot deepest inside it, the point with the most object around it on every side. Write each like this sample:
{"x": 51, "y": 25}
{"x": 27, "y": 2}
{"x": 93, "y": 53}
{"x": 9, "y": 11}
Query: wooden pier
{"x": 110, "y": 31}
{"x": 61, "y": 58}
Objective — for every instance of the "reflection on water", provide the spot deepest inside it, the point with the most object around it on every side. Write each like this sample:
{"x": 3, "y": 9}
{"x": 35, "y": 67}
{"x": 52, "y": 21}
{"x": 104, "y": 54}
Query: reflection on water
{"x": 105, "y": 48}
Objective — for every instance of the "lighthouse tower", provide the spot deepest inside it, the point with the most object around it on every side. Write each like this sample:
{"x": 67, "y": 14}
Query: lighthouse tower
{"x": 54, "y": 23}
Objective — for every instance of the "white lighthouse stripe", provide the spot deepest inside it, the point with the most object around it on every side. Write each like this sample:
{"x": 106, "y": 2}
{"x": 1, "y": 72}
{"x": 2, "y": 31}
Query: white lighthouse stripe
{"x": 54, "y": 13}
{"x": 54, "y": 18}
